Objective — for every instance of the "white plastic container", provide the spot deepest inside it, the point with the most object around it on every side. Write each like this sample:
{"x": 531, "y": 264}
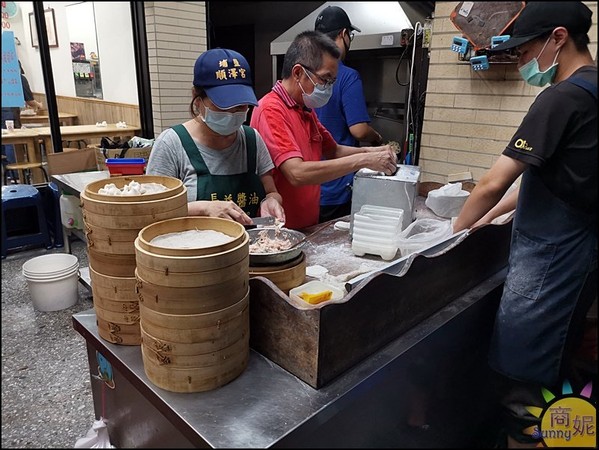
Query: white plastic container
{"x": 365, "y": 224}
{"x": 382, "y": 211}
{"x": 375, "y": 231}
{"x": 52, "y": 280}
{"x": 383, "y": 248}
{"x": 71, "y": 214}
{"x": 313, "y": 287}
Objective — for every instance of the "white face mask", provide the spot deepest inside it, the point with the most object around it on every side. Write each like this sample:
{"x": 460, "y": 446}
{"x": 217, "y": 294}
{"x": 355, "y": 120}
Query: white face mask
{"x": 222, "y": 122}
{"x": 319, "y": 97}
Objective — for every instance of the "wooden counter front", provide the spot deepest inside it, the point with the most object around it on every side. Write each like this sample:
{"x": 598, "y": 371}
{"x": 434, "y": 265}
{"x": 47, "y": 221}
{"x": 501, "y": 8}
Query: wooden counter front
{"x": 318, "y": 345}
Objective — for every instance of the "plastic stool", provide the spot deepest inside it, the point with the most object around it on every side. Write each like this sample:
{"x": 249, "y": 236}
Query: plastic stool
{"x": 25, "y": 168}
{"x": 51, "y": 200}
{"x": 18, "y": 202}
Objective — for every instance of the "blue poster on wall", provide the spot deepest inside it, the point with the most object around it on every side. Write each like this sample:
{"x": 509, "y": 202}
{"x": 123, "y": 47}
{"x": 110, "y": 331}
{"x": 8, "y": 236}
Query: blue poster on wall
{"x": 12, "y": 89}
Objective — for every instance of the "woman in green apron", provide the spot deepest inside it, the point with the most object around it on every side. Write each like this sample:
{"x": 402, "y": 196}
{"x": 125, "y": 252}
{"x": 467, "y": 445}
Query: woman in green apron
{"x": 224, "y": 164}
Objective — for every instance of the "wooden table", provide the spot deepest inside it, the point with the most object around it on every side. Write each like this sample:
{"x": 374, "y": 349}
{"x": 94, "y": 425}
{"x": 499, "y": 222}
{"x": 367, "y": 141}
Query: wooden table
{"x": 82, "y": 132}
{"x": 29, "y": 138}
{"x": 65, "y": 119}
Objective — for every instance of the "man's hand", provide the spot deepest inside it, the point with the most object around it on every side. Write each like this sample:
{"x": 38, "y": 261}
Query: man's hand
{"x": 381, "y": 159}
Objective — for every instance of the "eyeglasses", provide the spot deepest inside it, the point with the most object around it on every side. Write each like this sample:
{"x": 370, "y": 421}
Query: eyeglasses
{"x": 351, "y": 36}
{"x": 325, "y": 83}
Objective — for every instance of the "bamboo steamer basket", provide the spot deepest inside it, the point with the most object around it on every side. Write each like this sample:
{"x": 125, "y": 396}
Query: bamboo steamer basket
{"x": 193, "y": 328}
{"x": 173, "y": 186}
{"x": 169, "y": 347}
{"x": 192, "y": 267}
{"x": 119, "y": 333}
{"x": 285, "y": 276}
{"x": 112, "y": 223}
{"x": 116, "y": 303}
{"x": 110, "y": 264}
{"x": 195, "y": 300}
{"x": 190, "y": 300}
{"x": 194, "y": 379}
{"x": 125, "y": 307}
{"x": 229, "y": 227}
{"x": 201, "y": 364}
{"x": 210, "y": 358}
{"x": 117, "y": 289}
{"x": 120, "y": 318}
{"x": 117, "y": 294}
{"x": 133, "y": 215}
{"x": 169, "y": 277}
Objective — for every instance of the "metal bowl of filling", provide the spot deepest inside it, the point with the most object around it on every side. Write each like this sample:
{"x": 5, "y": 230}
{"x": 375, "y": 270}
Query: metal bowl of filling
{"x": 271, "y": 246}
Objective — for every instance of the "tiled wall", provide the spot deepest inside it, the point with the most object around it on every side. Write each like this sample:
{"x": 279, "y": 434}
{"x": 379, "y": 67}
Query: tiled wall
{"x": 470, "y": 115}
{"x": 176, "y": 33}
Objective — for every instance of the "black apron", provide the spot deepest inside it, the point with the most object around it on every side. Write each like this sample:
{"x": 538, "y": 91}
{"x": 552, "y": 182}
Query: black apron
{"x": 553, "y": 252}
{"x": 245, "y": 189}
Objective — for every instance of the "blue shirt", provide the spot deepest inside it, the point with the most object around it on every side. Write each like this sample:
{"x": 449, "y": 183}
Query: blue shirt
{"x": 346, "y": 107}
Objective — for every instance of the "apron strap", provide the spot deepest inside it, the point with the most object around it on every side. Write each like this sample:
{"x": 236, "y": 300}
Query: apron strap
{"x": 191, "y": 149}
{"x": 586, "y": 85}
{"x": 250, "y": 146}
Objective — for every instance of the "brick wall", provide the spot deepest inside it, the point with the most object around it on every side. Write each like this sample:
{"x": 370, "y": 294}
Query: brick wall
{"x": 176, "y": 33}
{"x": 470, "y": 116}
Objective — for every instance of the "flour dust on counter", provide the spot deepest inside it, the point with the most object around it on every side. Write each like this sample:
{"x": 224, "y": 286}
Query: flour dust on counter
{"x": 339, "y": 259}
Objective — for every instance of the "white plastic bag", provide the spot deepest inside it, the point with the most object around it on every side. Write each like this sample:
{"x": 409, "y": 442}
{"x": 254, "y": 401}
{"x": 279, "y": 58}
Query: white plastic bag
{"x": 422, "y": 233}
{"x": 96, "y": 437}
{"x": 448, "y": 200}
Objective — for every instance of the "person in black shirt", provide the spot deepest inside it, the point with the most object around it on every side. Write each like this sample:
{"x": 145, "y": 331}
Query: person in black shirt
{"x": 552, "y": 277}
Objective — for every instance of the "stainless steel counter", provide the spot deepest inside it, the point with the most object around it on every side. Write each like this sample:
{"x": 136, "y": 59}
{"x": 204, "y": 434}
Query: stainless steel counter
{"x": 439, "y": 363}
{"x": 74, "y": 183}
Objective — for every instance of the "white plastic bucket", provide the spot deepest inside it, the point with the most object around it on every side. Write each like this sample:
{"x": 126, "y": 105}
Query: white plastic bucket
{"x": 52, "y": 281}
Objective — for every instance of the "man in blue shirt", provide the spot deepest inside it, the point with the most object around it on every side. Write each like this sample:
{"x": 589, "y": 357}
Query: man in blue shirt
{"x": 345, "y": 115}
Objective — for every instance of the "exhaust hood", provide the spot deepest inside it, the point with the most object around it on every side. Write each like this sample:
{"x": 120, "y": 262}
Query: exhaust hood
{"x": 381, "y": 24}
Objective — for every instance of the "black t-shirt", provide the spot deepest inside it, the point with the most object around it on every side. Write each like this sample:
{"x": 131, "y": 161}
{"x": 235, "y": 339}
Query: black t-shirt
{"x": 558, "y": 138}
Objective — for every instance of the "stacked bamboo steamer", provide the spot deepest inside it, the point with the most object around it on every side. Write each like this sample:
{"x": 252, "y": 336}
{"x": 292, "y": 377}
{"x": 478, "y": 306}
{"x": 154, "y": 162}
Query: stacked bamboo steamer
{"x": 194, "y": 306}
{"x": 112, "y": 224}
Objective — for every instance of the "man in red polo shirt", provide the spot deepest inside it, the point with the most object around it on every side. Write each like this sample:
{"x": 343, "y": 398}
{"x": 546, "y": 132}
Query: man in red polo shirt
{"x": 295, "y": 137}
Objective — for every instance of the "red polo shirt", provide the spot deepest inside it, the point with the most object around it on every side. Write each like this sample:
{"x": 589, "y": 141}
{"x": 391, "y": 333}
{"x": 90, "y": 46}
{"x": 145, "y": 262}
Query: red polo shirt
{"x": 292, "y": 131}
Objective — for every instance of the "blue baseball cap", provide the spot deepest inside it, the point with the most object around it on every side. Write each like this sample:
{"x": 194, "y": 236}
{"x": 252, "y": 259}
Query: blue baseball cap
{"x": 226, "y": 78}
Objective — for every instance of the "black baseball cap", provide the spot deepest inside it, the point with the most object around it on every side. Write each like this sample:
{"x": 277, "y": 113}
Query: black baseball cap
{"x": 333, "y": 18}
{"x": 538, "y": 18}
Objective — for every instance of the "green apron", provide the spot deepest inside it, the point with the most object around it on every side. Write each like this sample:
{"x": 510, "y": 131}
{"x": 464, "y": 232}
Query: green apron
{"x": 245, "y": 189}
